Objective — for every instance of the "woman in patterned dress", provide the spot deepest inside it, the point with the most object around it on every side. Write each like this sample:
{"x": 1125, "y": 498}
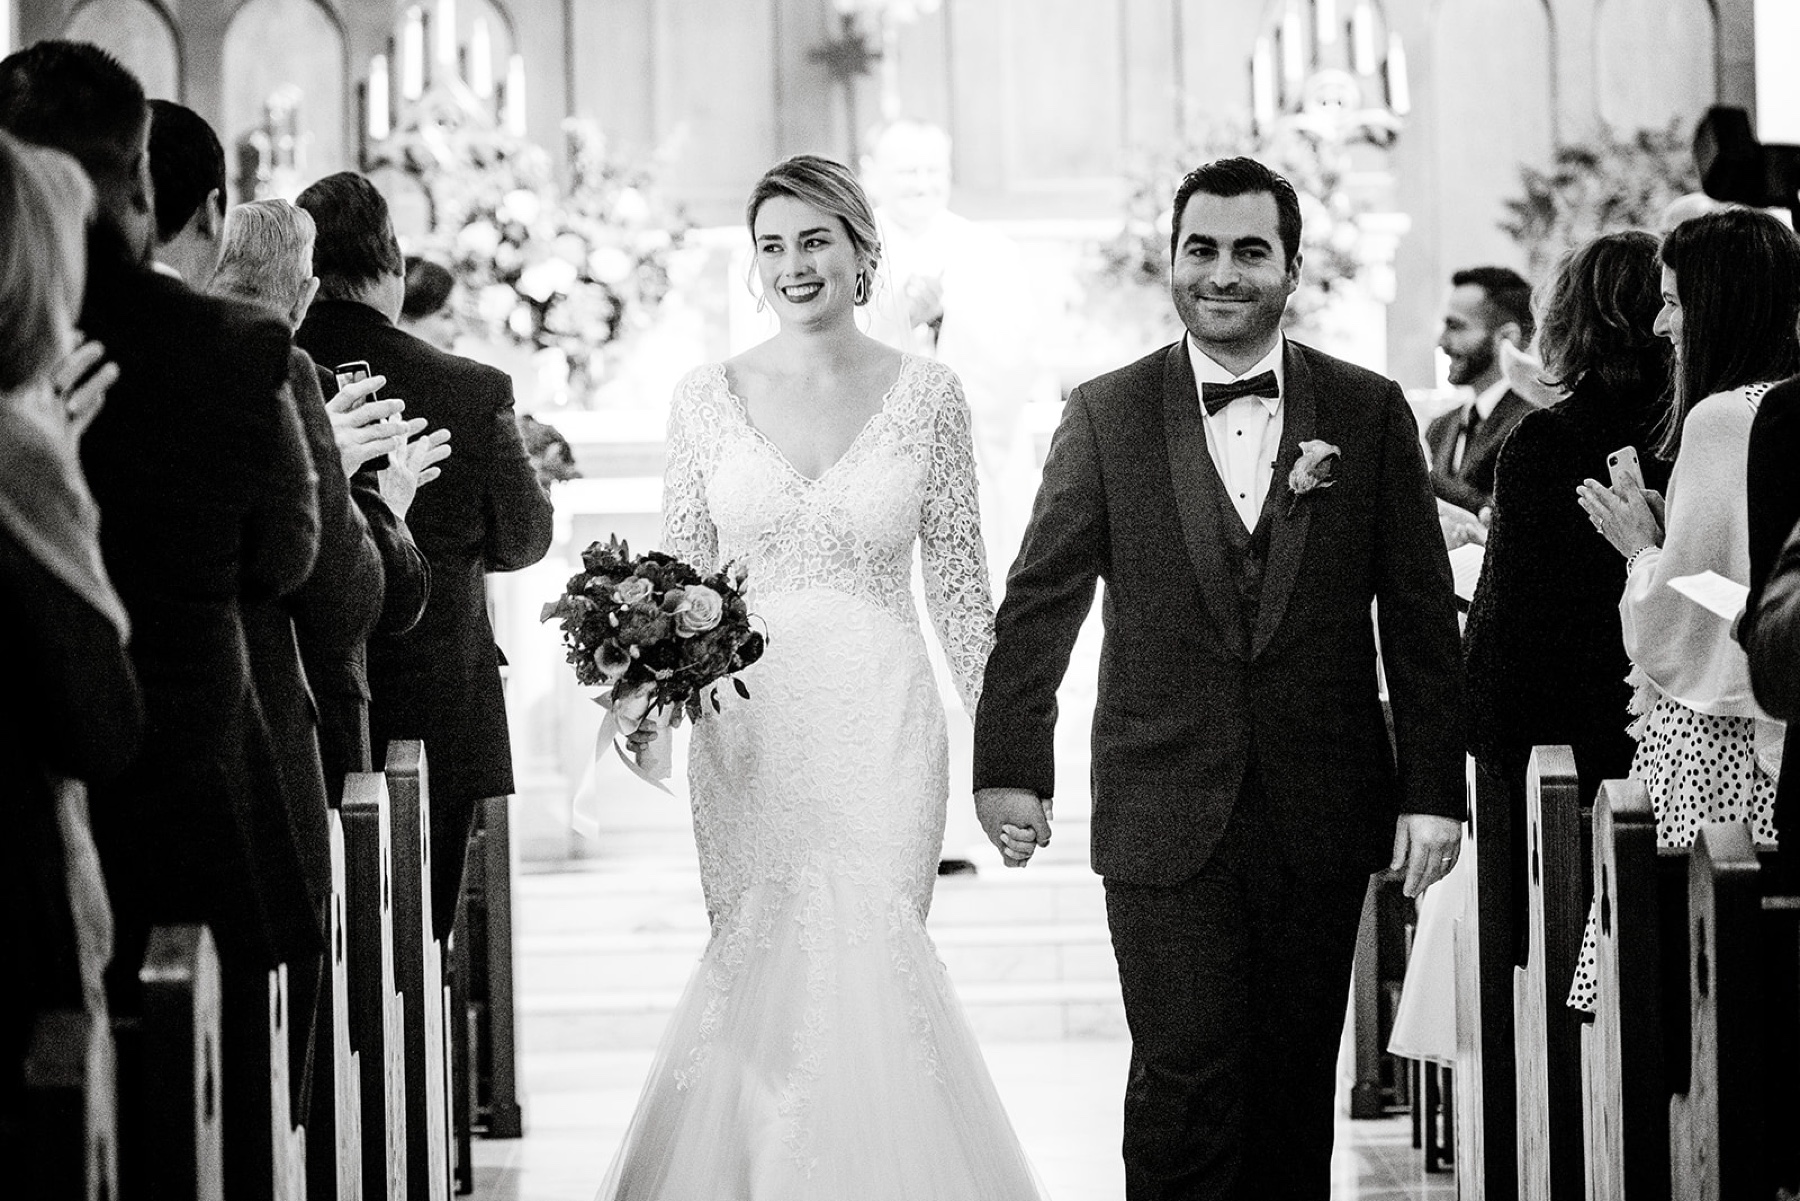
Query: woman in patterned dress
{"x": 1706, "y": 752}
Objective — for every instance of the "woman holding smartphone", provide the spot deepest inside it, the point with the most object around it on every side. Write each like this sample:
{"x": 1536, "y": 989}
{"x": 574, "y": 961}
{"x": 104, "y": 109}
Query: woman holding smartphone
{"x": 1706, "y": 752}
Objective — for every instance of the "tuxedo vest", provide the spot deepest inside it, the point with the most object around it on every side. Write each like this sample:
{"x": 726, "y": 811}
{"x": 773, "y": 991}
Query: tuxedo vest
{"x": 1246, "y": 551}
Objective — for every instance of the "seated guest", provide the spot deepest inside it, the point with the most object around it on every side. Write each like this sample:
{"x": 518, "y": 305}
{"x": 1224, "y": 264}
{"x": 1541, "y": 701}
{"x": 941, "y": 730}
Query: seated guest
{"x": 1546, "y": 664}
{"x": 66, "y": 683}
{"x": 181, "y": 464}
{"x": 1706, "y": 752}
{"x": 187, "y": 171}
{"x": 1489, "y": 307}
{"x": 441, "y": 682}
{"x": 426, "y": 313}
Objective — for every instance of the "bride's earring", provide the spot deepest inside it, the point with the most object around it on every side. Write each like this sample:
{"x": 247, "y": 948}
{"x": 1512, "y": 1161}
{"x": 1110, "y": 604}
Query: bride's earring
{"x": 861, "y": 295}
{"x": 762, "y": 302}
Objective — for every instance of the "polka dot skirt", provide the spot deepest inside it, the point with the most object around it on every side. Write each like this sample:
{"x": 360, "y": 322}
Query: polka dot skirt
{"x": 1697, "y": 769}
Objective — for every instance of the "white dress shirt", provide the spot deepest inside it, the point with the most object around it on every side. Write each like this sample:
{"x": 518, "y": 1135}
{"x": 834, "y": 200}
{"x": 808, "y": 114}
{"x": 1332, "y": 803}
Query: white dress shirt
{"x": 1244, "y": 436}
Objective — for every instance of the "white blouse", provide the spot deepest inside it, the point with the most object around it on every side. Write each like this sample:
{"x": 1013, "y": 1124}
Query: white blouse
{"x": 1685, "y": 651}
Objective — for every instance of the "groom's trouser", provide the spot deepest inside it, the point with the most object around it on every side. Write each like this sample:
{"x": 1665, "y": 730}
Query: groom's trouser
{"x": 1236, "y": 982}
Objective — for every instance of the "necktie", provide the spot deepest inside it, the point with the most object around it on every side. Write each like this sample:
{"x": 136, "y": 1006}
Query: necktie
{"x": 1217, "y": 396}
{"x": 1471, "y": 423}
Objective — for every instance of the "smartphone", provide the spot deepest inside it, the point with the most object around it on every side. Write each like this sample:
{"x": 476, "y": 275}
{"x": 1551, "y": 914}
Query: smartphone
{"x": 349, "y": 373}
{"x": 1622, "y": 463}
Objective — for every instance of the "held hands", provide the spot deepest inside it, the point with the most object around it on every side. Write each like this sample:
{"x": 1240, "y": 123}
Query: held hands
{"x": 1015, "y": 820}
{"x": 1631, "y": 518}
{"x": 1461, "y": 527}
{"x": 1425, "y": 849}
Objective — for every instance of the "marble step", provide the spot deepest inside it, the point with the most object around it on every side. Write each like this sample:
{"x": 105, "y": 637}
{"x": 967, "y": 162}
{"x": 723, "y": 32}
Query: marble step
{"x": 999, "y": 1011}
{"x": 550, "y": 965}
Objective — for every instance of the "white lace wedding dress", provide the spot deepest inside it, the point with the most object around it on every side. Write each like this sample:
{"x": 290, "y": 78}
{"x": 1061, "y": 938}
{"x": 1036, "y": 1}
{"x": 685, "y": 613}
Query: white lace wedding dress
{"x": 819, "y": 1051}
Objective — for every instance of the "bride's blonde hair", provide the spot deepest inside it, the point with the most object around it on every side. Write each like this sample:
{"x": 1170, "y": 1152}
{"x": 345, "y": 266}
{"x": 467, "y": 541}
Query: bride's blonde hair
{"x": 828, "y": 186}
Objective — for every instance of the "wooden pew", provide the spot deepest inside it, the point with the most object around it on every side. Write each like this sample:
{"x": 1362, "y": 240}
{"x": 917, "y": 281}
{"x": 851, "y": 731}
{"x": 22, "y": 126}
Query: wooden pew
{"x": 170, "y": 1071}
{"x": 1486, "y": 1092}
{"x": 419, "y": 974}
{"x": 71, "y": 1108}
{"x": 376, "y": 1009}
{"x": 1731, "y": 1128}
{"x": 1546, "y": 1033}
{"x": 1634, "y": 1051}
{"x": 287, "y": 1138}
{"x": 334, "y": 1142}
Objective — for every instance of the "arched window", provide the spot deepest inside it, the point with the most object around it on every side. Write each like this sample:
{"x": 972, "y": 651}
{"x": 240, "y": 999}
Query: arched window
{"x": 284, "y": 118}
{"x": 138, "y": 34}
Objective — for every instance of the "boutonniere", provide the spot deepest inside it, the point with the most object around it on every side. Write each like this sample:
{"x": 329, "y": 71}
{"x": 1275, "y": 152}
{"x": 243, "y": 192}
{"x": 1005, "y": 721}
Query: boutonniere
{"x": 1315, "y": 468}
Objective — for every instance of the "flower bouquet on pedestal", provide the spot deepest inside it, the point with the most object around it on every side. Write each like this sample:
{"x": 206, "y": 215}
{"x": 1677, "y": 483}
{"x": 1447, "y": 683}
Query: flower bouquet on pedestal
{"x": 656, "y": 636}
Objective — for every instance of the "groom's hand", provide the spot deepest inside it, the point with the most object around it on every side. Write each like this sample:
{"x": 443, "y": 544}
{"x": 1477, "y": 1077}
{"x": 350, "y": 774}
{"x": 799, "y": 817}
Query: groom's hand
{"x": 1015, "y": 821}
{"x": 1425, "y": 849}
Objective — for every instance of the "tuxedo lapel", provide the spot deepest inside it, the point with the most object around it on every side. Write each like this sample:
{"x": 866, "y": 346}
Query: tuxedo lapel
{"x": 1195, "y": 481}
{"x": 1288, "y": 522}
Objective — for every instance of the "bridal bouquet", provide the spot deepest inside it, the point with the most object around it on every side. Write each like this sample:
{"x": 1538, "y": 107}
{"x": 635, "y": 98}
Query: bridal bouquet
{"x": 655, "y": 635}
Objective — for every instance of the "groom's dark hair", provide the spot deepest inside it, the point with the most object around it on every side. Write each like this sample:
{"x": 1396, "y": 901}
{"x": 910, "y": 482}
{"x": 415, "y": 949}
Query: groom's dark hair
{"x": 1240, "y": 177}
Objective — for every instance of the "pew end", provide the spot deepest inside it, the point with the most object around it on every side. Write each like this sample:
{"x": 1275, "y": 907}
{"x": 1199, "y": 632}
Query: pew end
{"x": 170, "y": 1070}
{"x": 71, "y": 1108}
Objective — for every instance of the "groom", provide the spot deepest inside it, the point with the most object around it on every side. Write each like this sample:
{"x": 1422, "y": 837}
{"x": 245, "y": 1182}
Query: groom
{"x": 1245, "y": 499}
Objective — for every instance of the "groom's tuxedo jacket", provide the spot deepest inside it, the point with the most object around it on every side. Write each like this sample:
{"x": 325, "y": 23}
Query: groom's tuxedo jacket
{"x": 1199, "y": 685}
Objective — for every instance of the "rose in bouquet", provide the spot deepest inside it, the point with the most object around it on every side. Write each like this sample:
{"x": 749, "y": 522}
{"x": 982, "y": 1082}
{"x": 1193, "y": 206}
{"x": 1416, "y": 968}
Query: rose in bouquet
{"x": 655, "y": 635}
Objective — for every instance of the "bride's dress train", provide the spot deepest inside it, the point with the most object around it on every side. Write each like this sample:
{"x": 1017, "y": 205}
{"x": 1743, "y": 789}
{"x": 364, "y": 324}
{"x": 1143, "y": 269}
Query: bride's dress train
{"x": 819, "y": 1051}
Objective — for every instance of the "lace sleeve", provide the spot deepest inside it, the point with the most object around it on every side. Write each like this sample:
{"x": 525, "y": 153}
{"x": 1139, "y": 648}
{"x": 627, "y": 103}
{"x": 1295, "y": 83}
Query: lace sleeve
{"x": 950, "y": 549}
{"x": 688, "y": 531}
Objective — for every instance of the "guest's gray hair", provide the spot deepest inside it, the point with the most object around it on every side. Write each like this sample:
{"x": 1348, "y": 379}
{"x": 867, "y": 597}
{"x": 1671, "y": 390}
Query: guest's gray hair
{"x": 268, "y": 254}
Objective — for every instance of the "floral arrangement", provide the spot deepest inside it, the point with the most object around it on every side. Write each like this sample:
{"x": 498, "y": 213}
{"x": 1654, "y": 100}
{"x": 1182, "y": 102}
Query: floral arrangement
{"x": 569, "y": 273}
{"x": 1331, "y": 241}
{"x": 654, "y": 632}
{"x": 1610, "y": 182}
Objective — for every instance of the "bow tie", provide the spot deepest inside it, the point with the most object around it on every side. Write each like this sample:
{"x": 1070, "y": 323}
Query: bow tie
{"x": 1217, "y": 396}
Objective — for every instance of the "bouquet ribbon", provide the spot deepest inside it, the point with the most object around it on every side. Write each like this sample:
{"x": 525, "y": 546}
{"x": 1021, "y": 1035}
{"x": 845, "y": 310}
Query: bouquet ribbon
{"x": 653, "y": 765}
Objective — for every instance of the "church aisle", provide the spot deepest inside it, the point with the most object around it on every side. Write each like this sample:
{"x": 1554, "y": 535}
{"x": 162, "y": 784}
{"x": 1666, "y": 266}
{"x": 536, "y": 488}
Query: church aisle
{"x": 603, "y": 947}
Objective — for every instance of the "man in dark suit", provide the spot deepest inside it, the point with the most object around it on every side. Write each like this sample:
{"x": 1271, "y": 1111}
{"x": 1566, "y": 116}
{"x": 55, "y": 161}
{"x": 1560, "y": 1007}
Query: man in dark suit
{"x": 1772, "y": 494}
{"x": 182, "y": 461}
{"x": 1245, "y": 499}
{"x": 383, "y": 579}
{"x": 1488, "y": 307}
{"x": 187, "y": 169}
{"x": 487, "y": 512}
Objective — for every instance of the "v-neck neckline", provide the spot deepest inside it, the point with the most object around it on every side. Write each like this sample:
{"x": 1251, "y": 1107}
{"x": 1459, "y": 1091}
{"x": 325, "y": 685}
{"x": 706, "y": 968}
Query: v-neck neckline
{"x": 743, "y": 412}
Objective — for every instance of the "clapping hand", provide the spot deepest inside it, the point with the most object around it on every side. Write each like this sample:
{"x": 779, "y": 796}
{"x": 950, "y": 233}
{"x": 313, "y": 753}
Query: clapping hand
{"x": 1461, "y": 527}
{"x": 1630, "y": 518}
{"x": 1015, "y": 820}
{"x": 79, "y": 383}
{"x": 366, "y": 429}
{"x": 412, "y": 466}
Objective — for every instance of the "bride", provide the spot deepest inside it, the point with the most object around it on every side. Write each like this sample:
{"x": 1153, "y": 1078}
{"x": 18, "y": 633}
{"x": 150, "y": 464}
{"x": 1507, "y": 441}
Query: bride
{"x": 819, "y": 1051}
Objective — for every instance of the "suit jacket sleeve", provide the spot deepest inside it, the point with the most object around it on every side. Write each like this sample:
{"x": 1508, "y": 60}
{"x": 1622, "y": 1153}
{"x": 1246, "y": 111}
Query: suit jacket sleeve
{"x": 281, "y": 542}
{"x": 1772, "y": 637}
{"x": 340, "y": 601}
{"x": 1416, "y": 611}
{"x": 519, "y": 517}
{"x": 1049, "y": 593}
{"x": 1772, "y": 480}
{"x": 404, "y": 568}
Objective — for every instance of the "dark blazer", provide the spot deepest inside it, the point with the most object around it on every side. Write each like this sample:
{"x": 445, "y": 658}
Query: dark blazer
{"x": 1471, "y": 486}
{"x": 1772, "y": 498}
{"x": 182, "y": 462}
{"x": 485, "y": 512}
{"x": 1546, "y": 661}
{"x": 1772, "y": 637}
{"x": 1189, "y": 696}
